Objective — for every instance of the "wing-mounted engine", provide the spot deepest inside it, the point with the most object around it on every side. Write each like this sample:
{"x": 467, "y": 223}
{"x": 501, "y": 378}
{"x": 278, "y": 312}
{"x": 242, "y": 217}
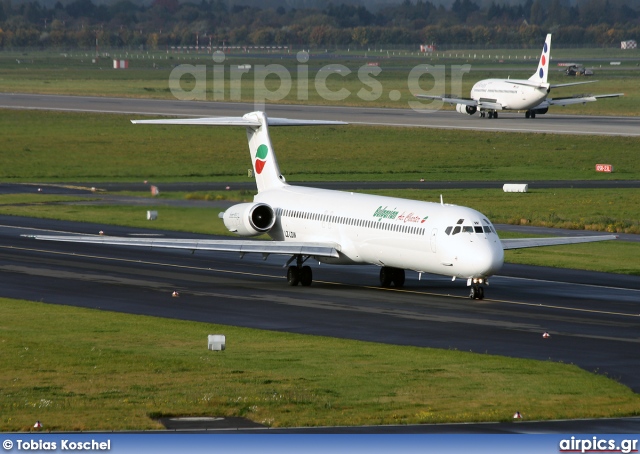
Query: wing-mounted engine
{"x": 540, "y": 110}
{"x": 249, "y": 219}
{"x": 464, "y": 109}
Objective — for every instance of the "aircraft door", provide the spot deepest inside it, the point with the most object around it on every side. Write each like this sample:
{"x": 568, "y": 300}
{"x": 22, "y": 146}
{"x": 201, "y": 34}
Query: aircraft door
{"x": 434, "y": 235}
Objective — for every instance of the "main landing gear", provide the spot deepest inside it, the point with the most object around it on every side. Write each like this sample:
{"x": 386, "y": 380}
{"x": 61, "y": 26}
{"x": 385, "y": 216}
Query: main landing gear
{"x": 529, "y": 114}
{"x": 299, "y": 274}
{"x": 389, "y": 275}
{"x": 489, "y": 114}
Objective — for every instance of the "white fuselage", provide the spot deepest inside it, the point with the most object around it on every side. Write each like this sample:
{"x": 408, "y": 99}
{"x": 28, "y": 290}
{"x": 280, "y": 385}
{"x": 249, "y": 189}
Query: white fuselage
{"x": 510, "y": 95}
{"x": 422, "y": 236}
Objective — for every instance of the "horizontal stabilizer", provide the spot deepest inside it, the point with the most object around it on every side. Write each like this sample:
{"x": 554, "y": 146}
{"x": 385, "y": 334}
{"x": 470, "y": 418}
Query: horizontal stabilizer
{"x": 521, "y": 243}
{"x": 242, "y": 246}
{"x": 247, "y": 121}
{"x": 529, "y": 83}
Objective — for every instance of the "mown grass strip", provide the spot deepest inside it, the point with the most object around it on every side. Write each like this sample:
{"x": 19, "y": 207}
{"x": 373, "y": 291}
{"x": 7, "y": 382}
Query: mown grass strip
{"x": 80, "y": 369}
{"x": 98, "y": 147}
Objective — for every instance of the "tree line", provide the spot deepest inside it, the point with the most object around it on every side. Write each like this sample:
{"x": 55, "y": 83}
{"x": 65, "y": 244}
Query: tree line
{"x": 169, "y": 23}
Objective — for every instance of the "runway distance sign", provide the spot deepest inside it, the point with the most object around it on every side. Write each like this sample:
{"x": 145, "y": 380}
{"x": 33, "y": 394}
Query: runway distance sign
{"x": 604, "y": 168}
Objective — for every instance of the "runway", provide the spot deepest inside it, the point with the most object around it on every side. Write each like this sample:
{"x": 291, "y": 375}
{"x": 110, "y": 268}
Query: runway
{"x": 593, "y": 318}
{"x": 552, "y": 123}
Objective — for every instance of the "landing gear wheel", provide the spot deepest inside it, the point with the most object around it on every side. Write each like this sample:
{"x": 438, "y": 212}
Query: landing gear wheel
{"x": 386, "y": 276}
{"x": 398, "y": 277}
{"x": 306, "y": 276}
{"x": 476, "y": 292}
{"x": 490, "y": 115}
{"x": 495, "y": 115}
{"x": 533, "y": 115}
{"x": 293, "y": 276}
{"x": 527, "y": 114}
{"x": 483, "y": 114}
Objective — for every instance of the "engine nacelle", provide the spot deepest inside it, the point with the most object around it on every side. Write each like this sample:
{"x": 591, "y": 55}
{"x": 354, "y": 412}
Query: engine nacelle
{"x": 542, "y": 111}
{"x": 464, "y": 109}
{"x": 249, "y": 219}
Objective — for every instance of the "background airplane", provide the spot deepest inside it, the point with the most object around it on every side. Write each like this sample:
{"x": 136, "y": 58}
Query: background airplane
{"x": 489, "y": 96}
{"x": 338, "y": 227}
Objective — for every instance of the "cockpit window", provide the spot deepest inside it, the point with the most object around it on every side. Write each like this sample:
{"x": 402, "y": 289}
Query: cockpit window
{"x": 486, "y": 228}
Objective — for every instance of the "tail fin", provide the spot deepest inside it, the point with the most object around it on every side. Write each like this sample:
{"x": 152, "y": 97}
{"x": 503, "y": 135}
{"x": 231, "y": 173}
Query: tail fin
{"x": 263, "y": 158}
{"x": 543, "y": 65}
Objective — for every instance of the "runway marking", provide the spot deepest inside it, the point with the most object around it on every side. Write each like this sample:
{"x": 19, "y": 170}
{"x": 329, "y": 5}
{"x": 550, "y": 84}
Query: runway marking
{"x": 243, "y": 273}
{"x": 145, "y": 262}
{"x": 122, "y": 112}
{"x": 40, "y": 230}
{"x": 560, "y": 282}
{"x": 499, "y": 128}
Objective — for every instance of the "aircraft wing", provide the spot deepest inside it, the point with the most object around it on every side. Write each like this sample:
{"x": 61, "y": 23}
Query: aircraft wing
{"x": 465, "y": 101}
{"x": 521, "y": 243}
{"x": 490, "y": 105}
{"x": 241, "y": 246}
{"x": 580, "y": 100}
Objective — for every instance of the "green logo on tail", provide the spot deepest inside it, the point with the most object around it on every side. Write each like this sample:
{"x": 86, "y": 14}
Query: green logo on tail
{"x": 261, "y": 158}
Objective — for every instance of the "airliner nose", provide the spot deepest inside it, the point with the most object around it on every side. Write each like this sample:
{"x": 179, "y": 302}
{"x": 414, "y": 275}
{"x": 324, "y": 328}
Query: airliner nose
{"x": 488, "y": 259}
{"x": 495, "y": 258}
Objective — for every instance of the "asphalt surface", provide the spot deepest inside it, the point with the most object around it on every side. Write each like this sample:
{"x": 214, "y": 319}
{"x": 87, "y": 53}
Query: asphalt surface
{"x": 552, "y": 123}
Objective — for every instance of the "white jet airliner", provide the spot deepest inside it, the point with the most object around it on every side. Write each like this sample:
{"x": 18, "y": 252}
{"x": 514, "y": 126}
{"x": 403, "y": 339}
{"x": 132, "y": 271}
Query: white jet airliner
{"x": 489, "y": 96}
{"x": 338, "y": 227}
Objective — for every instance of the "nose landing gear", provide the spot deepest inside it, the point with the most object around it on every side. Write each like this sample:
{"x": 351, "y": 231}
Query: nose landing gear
{"x": 477, "y": 290}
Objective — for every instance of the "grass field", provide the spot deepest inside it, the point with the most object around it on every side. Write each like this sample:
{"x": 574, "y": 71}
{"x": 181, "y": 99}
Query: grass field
{"x": 110, "y": 371}
{"x": 94, "y": 147}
